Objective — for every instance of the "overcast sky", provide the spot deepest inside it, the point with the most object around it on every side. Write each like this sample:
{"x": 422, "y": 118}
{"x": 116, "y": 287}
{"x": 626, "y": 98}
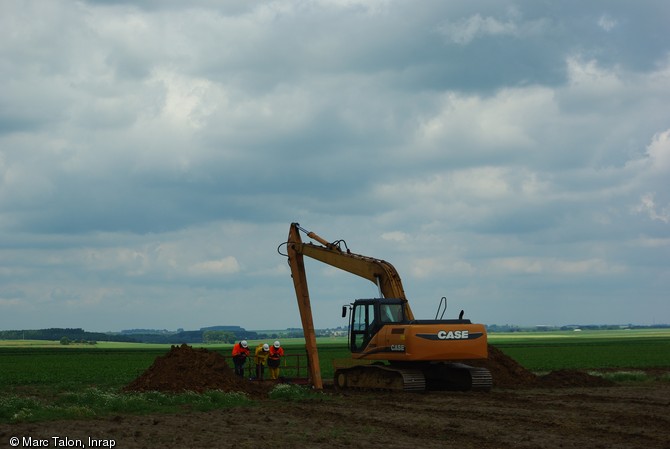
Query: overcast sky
{"x": 513, "y": 156}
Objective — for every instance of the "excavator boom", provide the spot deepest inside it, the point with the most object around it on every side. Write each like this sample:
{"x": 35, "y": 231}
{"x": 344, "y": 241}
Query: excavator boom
{"x": 377, "y": 271}
{"x": 297, "y": 264}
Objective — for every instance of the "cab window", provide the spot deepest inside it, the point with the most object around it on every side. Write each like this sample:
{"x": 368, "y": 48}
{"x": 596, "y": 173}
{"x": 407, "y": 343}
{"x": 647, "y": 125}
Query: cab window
{"x": 362, "y": 325}
{"x": 390, "y": 313}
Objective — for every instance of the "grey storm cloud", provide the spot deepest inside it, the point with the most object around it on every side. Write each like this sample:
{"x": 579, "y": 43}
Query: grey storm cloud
{"x": 512, "y": 156}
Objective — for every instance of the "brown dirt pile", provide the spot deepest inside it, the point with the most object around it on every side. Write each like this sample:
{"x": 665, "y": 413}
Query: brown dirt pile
{"x": 184, "y": 368}
{"x": 508, "y": 373}
{"x": 572, "y": 378}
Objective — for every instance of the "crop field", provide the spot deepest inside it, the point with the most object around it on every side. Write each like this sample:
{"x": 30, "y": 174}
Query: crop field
{"x": 49, "y": 366}
{"x": 587, "y": 350}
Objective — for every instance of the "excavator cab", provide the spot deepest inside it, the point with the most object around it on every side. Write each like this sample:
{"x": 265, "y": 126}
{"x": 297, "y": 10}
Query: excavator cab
{"x": 368, "y": 316}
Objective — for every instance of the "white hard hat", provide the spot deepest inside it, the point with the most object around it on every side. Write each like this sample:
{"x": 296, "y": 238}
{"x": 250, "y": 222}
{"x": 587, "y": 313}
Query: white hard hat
{"x": 266, "y": 347}
{"x": 276, "y": 344}
{"x": 244, "y": 343}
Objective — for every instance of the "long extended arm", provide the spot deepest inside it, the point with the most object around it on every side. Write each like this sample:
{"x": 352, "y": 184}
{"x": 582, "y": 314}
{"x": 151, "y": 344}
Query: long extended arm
{"x": 297, "y": 264}
{"x": 380, "y": 272}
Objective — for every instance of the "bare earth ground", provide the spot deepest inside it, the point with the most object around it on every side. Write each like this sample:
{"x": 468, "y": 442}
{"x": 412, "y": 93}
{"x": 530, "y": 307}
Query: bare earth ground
{"x": 635, "y": 416}
{"x": 565, "y": 409}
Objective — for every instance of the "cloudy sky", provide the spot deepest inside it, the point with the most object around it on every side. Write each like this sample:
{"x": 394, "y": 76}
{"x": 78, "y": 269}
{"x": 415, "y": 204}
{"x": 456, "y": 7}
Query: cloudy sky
{"x": 511, "y": 156}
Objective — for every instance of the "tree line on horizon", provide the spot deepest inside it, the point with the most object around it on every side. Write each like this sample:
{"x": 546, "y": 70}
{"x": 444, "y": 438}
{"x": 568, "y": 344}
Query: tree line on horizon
{"x": 231, "y": 334}
{"x": 214, "y": 334}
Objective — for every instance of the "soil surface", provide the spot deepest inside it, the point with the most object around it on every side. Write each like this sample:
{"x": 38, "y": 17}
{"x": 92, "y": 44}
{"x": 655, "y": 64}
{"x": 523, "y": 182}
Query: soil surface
{"x": 564, "y": 409}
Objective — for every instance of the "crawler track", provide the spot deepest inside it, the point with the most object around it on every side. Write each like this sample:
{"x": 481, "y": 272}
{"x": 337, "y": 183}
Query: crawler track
{"x": 447, "y": 376}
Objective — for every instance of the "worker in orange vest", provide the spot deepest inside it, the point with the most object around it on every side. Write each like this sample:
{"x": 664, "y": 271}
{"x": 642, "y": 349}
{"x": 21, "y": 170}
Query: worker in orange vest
{"x": 276, "y": 353}
{"x": 240, "y": 354}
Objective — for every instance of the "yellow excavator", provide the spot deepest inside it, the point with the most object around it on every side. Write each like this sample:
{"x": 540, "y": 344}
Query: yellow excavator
{"x": 398, "y": 351}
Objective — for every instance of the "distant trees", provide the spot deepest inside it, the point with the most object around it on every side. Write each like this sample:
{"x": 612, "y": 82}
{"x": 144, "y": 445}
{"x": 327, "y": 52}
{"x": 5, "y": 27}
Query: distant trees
{"x": 66, "y": 341}
{"x": 218, "y": 337}
{"x": 214, "y": 334}
{"x": 56, "y": 334}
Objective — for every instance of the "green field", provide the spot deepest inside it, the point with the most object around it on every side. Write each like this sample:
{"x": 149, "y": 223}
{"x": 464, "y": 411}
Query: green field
{"x": 43, "y": 380}
{"x": 42, "y": 364}
{"x": 644, "y": 348}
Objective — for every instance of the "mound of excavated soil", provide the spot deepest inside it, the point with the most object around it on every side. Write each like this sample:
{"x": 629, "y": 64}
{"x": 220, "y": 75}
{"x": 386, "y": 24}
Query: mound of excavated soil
{"x": 508, "y": 373}
{"x": 184, "y": 368}
{"x": 572, "y": 378}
